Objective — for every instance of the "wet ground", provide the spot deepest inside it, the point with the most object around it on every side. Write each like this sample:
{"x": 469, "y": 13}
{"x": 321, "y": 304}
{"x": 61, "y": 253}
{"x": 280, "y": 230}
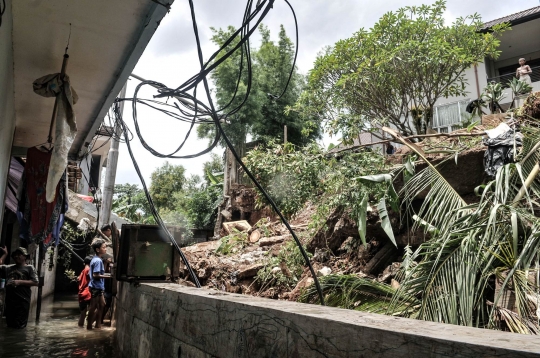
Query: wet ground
{"x": 57, "y": 334}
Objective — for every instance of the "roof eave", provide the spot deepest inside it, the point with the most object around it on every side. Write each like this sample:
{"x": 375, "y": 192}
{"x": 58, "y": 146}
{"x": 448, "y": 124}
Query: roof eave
{"x": 140, "y": 40}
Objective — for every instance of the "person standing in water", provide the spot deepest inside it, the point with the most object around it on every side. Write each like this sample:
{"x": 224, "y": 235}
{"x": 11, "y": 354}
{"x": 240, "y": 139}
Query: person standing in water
{"x": 97, "y": 275}
{"x": 20, "y": 277}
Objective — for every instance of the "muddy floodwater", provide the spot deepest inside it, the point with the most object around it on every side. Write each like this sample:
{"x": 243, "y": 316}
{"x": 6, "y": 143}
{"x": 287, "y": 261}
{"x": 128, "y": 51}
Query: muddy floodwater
{"x": 56, "y": 335}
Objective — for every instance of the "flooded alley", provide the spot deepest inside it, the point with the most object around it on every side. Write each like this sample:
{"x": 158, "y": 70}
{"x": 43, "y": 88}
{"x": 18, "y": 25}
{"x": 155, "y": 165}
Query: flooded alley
{"x": 57, "y": 334}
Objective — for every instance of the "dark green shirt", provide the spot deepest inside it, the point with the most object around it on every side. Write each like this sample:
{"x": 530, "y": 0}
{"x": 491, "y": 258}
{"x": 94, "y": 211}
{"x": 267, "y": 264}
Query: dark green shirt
{"x": 14, "y": 272}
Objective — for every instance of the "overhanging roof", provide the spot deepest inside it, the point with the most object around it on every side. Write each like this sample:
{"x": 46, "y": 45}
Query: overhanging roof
{"x": 515, "y": 19}
{"x": 107, "y": 39}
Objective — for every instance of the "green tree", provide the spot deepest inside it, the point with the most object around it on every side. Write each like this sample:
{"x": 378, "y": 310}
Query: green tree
{"x": 130, "y": 203}
{"x": 261, "y": 115}
{"x": 274, "y": 67}
{"x": 404, "y": 64}
{"x": 166, "y": 181}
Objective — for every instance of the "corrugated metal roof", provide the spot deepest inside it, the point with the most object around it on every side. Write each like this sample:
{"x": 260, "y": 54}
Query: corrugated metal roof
{"x": 514, "y": 19}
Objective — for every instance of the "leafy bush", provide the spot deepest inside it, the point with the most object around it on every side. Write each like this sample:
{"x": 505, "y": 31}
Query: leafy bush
{"x": 290, "y": 263}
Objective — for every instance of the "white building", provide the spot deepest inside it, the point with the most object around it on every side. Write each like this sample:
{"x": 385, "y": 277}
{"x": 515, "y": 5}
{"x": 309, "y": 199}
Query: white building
{"x": 522, "y": 41}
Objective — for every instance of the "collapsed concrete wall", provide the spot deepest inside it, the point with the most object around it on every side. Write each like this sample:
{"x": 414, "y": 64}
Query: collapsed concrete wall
{"x": 169, "y": 320}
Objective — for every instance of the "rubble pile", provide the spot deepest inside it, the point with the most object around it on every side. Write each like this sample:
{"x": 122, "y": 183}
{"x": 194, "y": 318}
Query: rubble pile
{"x": 254, "y": 255}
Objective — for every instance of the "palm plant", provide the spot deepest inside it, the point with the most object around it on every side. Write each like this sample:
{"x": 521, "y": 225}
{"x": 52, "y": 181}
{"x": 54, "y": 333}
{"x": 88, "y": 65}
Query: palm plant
{"x": 476, "y": 247}
{"x": 519, "y": 87}
{"x": 358, "y": 293}
{"x": 493, "y": 95}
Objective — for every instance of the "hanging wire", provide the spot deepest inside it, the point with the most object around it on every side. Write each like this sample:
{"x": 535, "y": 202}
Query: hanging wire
{"x": 2, "y": 11}
{"x": 187, "y": 108}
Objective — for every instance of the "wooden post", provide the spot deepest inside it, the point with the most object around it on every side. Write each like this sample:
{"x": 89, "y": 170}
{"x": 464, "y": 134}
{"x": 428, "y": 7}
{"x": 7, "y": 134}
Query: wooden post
{"x": 41, "y": 279}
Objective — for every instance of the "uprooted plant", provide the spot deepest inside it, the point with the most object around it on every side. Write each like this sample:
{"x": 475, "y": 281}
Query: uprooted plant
{"x": 481, "y": 266}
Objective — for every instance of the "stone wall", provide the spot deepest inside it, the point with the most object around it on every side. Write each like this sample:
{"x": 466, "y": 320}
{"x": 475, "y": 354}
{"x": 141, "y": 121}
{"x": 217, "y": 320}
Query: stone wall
{"x": 169, "y": 320}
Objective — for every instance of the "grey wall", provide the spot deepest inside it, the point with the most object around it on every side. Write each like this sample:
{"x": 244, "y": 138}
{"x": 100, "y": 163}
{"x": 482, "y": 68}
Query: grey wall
{"x": 7, "y": 109}
{"x": 169, "y": 320}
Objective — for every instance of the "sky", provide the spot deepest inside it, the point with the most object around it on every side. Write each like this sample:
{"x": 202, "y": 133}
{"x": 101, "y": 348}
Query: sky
{"x": 171, "y": 58}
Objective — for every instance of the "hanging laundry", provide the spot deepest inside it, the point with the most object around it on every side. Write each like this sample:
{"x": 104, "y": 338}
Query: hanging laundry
{"x": 58, "y": 85}
{"x": 501, "y": 142}
{"x": 38, "y": 218}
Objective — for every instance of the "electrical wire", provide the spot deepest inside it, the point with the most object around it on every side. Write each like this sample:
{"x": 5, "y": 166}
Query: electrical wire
{"x": 189, "y": 109}
{"x": 2, "y": 11}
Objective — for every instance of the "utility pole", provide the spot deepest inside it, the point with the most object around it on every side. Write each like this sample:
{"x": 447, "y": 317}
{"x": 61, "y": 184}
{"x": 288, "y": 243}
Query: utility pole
{"x": 110, "y": 175}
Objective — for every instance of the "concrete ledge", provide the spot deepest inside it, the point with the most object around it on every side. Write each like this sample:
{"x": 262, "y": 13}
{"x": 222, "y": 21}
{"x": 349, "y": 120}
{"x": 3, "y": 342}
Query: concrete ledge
{"x": 169, "y": 320}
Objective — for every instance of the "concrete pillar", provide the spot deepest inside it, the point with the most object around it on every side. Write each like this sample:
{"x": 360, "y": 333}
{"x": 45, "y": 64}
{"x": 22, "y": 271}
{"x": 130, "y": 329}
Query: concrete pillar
{"x": 7, "y": 105}
{"x": 110, "y": 175}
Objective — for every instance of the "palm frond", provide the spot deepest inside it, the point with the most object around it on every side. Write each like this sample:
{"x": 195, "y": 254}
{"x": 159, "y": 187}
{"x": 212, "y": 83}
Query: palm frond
{"x": 353, "y": 292}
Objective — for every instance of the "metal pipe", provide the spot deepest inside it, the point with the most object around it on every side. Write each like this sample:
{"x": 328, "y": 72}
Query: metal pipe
{"x": 112, "y": 163}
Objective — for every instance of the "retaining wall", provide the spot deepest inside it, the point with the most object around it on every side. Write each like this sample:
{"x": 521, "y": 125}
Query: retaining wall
{"x": 169, "y": 320}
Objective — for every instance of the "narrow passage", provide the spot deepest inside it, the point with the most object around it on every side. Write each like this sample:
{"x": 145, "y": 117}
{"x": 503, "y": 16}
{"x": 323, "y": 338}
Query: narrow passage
{"x": 57, "y": 334}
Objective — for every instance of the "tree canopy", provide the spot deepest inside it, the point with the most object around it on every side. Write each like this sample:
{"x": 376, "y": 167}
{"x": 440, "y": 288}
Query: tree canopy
{"x": 166, "y": 180}
{"x": 394, "y": 73}
{"x": 261, "y": 116}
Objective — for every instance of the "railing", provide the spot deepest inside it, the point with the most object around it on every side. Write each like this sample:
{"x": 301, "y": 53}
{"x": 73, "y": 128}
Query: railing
{"x": 505, "y": 79}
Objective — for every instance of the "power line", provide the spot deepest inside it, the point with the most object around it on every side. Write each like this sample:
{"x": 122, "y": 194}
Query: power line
{"x": 189, "y": 109}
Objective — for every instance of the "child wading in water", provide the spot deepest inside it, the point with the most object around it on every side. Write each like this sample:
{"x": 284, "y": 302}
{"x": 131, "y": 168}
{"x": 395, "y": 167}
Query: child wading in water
{"x": 84, "y": 290}
{"x": 97, "y": 284}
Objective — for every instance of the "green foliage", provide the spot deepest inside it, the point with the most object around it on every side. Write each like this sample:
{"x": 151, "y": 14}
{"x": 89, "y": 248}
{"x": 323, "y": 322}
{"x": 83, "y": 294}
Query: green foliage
{"x": 493, "y": 95}
{"x": 261, "y": 115}
{"x": 166, "y": 180}
{"x": 352, "y": 292}
{"x": 519, "y": 87}
{"x": 71, "y": 235}
{"x": 292, "y": 176}
{"x": 409, "y": 59}
{"x": 291, "y": 266}
{"x": 474, "y": 245}
{"x": 233, "y": 242}
{"x": 130, "y": 203}
{"x": 200, "y": 205}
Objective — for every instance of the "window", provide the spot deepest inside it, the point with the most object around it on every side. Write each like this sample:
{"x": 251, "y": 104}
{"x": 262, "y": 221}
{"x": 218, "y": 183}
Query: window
{"x": 448, "y": 117}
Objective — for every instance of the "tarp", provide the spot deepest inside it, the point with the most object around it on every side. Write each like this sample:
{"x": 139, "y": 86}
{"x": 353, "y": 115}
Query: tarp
{"x": 58, "y": 85}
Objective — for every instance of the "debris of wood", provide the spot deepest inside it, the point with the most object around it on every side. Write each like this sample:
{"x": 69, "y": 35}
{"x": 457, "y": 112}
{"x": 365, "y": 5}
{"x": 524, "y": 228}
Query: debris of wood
{"x": 269, "y": 241}
{"x": 241, "y": 225}
{"x": 255, "y": 236}
{"x": 381, "y": 259}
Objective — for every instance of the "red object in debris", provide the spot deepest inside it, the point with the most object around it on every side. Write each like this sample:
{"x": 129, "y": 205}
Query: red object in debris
{"x": 90, "y": 199}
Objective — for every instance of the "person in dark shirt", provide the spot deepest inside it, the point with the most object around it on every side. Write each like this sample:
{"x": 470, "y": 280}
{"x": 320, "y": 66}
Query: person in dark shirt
{"x": 97, "y": 284}
{"x": 390, "y": 149}
{"x": 20, "y": 277}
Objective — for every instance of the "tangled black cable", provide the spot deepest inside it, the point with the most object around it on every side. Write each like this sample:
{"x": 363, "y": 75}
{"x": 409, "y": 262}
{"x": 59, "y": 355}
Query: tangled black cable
{"x": 191, "y": 110}
{"x": 2, "y": 11}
